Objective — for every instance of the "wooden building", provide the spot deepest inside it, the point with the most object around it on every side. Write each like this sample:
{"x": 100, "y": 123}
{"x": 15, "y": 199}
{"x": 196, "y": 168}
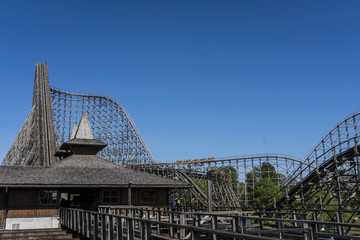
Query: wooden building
{"x": 30, "y": 196}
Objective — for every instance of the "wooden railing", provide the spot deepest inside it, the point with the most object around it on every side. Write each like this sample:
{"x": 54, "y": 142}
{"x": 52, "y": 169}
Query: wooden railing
{"x": 95, "y": 225}
{"x": 121, "y": 223}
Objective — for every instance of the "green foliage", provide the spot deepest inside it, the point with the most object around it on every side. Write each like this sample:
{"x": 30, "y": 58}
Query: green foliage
{"x": 264, "y": 192}
{"x": 202, "y": 183}
{"x": 331, "y": 206}
{"x": 263, "y": 185}
{"x": 266, "y": 170}
{"x": 229, "y": 171}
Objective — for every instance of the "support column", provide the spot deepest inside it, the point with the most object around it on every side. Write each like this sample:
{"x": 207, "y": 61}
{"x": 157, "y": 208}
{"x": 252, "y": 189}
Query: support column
{"x": 129, "y": 194}
{"x": 209, "y": 187}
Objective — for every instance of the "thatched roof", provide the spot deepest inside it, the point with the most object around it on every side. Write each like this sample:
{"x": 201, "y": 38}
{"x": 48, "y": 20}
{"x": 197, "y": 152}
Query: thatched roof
{"x": 82, "y": 171}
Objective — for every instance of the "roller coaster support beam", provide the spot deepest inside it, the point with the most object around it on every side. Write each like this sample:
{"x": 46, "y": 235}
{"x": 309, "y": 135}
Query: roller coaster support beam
{"x": 209, "y": 188}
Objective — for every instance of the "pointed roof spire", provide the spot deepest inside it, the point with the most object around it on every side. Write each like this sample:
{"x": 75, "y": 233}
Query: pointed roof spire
{"x": 84, "y": 129}
{"x": 81, "y": 141}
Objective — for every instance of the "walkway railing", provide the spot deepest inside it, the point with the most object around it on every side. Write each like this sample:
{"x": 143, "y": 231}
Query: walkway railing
{"x": 192, "y": 225}
{"x": 94, "y": 225}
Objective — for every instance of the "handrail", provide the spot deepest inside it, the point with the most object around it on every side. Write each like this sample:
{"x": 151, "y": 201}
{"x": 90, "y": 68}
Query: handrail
{"x": 140, "y": 223}
{"x": 70, "y": 218}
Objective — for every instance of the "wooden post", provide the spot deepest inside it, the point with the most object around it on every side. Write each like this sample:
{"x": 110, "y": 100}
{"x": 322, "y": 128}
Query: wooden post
{"x": 66, "y": 215}
{"x": 63, "y": 216}
{"x": 306, "y": 231}
{"x": 110, "y": 228}
{"x": 119, "y": 228}
{"x": 88, "y": 224}
{"x": 141, "y": 229}
{"x": 339, "y": 219}
{"x": 209, "y": 190}
{"x": 130, "y": 229}
{"x": 196, "y": 220}
{"x": 295, "y": 218}
{"x": 81, "y": 222}
{"x": 129, "y": 194}
{"x": 171, "y": 228}
{"x": 85, "y": 224}
{"x": 235, "y": 224}
{"x": 96, "y": 227}
{"x": 70, "y": 218}
{"x": 182, "y": 222}
{"x": 158, "y": 218}
{"x": 78, "y": 223}
{"x": 214, "y": 225}
{"x": 103, "y": 227}
{"x": 243, "y": 225}
{"x": 147, "y": 231}
{"x": 148, "y": 225}
{"x": 314, "y": 231}
{"x": 74, "y": 220}
{"x": 195, "y": 235}
{"x": 261, "y": 226}
{"x": 280, "y": 226}
{"x": 147, "y": 213}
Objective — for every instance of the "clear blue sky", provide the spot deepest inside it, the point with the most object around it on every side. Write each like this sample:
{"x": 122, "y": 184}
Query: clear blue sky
{"x": 199, "y": 78}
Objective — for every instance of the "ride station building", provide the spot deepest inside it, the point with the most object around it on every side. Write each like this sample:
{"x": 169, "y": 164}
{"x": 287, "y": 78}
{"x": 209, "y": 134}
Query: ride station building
{"x": 30, "y": 196}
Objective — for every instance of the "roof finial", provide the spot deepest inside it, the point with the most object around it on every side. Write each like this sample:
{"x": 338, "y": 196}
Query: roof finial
{"x": 84, "y": 129}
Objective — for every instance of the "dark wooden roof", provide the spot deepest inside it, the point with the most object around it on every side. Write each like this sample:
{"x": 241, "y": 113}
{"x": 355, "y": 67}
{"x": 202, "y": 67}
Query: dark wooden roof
{"x": 83, "y": 142}
{"x": 82, "y": 171}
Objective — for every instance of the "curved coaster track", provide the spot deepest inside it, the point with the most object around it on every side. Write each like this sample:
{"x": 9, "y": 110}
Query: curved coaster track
{"x": 327, "y": 180}
{"x": 330, "y": 178}
{"x": 53, "y": 115}
{"x": 232, "y": 179}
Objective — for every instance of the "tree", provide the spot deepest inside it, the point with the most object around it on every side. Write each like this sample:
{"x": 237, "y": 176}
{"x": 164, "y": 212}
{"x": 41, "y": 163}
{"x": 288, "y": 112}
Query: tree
{"x": 263, "y": 185}
{"x": 229, "y": 173}
{"x": 264, "y": 192}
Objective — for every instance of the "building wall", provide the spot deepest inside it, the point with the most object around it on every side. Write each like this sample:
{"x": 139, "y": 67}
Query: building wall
{"x": 28, "y": 198}
{"x": 21, "y": 198}
{"x": 2, "y": 198}
{"x": 161, "y": 197}
{"x": 32, "y": 223}
{"x": 16, "y": 213}
{"x": 24, "y": 210}
{"x": 2, "y": 208}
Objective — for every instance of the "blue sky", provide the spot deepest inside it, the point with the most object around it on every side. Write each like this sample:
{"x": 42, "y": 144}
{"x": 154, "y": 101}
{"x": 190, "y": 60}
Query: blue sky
{"x": 198, "y": 78}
